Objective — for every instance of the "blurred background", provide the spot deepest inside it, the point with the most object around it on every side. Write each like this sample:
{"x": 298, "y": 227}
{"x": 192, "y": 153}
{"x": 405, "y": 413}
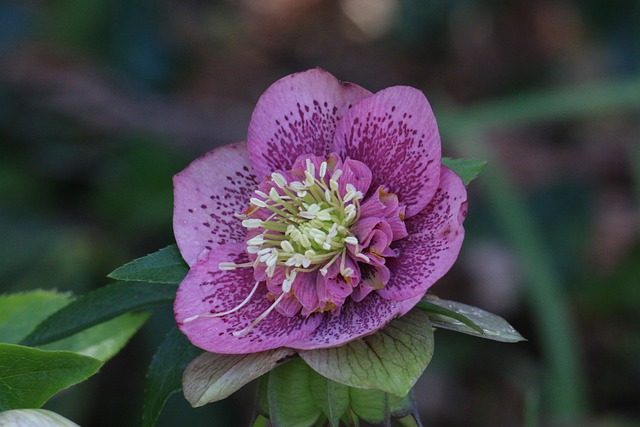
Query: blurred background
{"x": 102, "y": 101}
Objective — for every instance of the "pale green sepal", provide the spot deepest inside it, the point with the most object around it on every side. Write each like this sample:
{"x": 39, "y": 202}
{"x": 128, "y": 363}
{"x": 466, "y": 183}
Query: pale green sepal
{"x": 371, "y": 406}
{"x": 212, "y": 377}
{"x": 330, "y": 396}
{"x": 291, "y": 402}
{"x": 390, "y": 360}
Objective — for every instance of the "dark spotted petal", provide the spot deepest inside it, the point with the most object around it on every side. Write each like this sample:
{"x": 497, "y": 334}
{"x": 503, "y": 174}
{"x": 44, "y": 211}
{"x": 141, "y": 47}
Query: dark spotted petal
{"x": 433, "y": 244}
{"x": 298, "y": 115}
{"x": 207, "y": 194}
{"x": 395, "y": 134}
{"x": 356, "y": 319}
{"x": 206, "y": 290}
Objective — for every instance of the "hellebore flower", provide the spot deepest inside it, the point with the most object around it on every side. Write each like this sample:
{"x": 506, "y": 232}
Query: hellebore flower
{"x": 333, "y": 218}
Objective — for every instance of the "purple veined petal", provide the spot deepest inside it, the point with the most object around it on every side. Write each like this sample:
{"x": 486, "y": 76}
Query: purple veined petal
{"x": 207, "y": 194}
{"x": 395, "y": 134}
{"x": 298, "y": 115}
{"x": 355, "y": 173}
{"x": 207, "y": 289}
{"x": 433, "y": 244}
{"x": 355, "y": 320}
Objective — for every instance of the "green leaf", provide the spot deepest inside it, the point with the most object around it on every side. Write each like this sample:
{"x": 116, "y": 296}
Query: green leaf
{"x": 212, "y": 377}
{"x": 432, "y": 308}
{"x": 163, "y": 266}
{"x": 370, "y": 405}
{"x": 34, "y": 418}
{"x": 99, "y": 306}
{"x": 262, "y": 396}
{"x": 20, "y": 313}
{"x": 291, "y": 402}
{"x": 401, "y": 406}
{"x": 102, "y": 341}
{"x": 494, "y": 327}
{"x": 330, "y": 396}
{"x": 29, "y": 377}
{"x": 390, "y": 360}
{"x": 164, "y": 376}
{"x": 466, "y": 169}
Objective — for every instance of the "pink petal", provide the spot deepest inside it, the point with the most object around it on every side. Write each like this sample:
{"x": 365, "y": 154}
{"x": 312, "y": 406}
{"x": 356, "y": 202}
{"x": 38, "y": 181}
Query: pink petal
{"x": 298, "y": 115}
{"x": 435, "y": 238}
{"x": 207, "y": 194}
{"x": 206, "y": 290}
{"x": 355, "y": 320}
{"x": 395, "y": 134}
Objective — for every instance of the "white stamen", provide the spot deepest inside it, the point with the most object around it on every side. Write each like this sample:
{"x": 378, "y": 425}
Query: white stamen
{"x": 253, "y": 249}
{"x": 246, "y": 330}
{"x": 347, "y": 272}
{"x": 323, "y": 169}
{"x": 286, "y": 283}
{"x": 298, "y": 186}
{"x": 286, "y": 246}
{"x": 271, "y": 261}
{"x": 274, "y": 195}
{"x": 363, "y": 257}
{"x": 225, "y": 266}
{"x": 257, "y": 241}
{"x": 224, "y": 313}
{"x": 351, "y": 240}
{"x": 252, "y": 223}
{"x": 311, "y": 168}
{"x": 324, "y": 215}
{"x": 327, "y": 195}
{"x": 279, "y": 179}
{"x": 336, "y": 174}
{"x": 304, "y": 241}
{"x": 333, "y": 184}
{"x": 309, "y": 178}
{"x": 257, "y": 202}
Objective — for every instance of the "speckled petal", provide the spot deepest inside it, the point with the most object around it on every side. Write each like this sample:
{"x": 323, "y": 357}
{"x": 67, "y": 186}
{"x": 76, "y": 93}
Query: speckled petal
{"x": 356, "y": 319}
{"x": 298, "y": 115}
{"x": 207, "y": 194}
{"x": 206, "y": 289}
{"x": 435, "y": 238}
{"x": 395, "y": 134}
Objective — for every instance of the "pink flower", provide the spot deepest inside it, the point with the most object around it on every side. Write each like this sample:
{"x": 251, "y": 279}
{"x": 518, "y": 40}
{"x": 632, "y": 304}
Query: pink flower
{"x": 334, "y": 217}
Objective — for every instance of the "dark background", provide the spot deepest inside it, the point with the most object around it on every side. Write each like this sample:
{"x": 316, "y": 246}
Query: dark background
{"x": 102, "y": 101}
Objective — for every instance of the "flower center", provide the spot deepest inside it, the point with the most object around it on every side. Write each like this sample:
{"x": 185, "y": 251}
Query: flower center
{"x": 313, "y": 241}
{"x": 302, "y": 225}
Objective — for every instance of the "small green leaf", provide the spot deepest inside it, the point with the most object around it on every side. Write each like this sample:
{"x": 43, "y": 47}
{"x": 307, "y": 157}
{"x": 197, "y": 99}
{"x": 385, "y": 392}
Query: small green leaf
{"x": 370, "y": 405}
{"x": 291, "y": 402}
{"x": 466, "y": 169}
{"x": 330, "y": 396}
{"x": 99, "y": 306}
{"x": 432, "y": 308}
{"x": 29, "y": 377}
{"x": 102, "y": 341}
{"x": 262, "y": 396}
{"x": 390, "y": 360}
{"x": 164, "y": 376}
{"x": 34, "y": 418}
{"x": 212, "y": 377}
{"x": 493, "y": 326}
{"x": 163, "y": 266}
{"x": 401, "y": 406}
{"x": 21, "y": 313}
